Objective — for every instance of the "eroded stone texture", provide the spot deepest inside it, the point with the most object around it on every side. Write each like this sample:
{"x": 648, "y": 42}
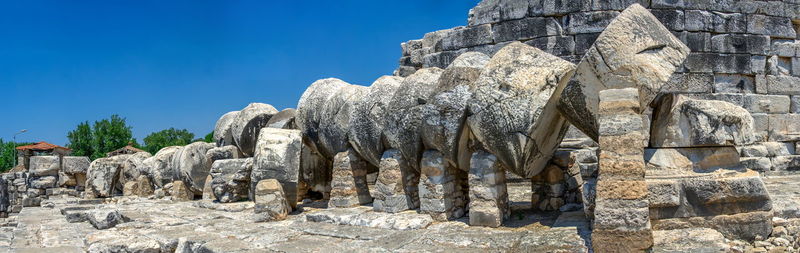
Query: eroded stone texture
{"x": 231, "y": 179}
{"x": 335, "y": 119}
{"x": 621, "y": 214}
{"x": 444, "y": 117}
{"x": 368, "y": 116}
{"x": 395, "y": 188}
{"x": 44, "y": 166}
{"x": 271, "y": 204}
{"x": 513, "y": 107}
{"x": 680, "y": 121}
{"x": 278, "y": 156}
{"x": 310, "y": 110}
{"x": 189, "y": 165}
{"x": 349, "y": 186}
{"x": 247, "y": 125}
{"x": 404, "y": 117}
{"x": 179, "y": 191}
{"x": 159, "y": 167}
{"x": 103, "y": 175}
{"x": 488, "y": 195}
{"x": 438, "y": 191}
{"x": 5, "y": 203}
{"x": 283, "y": 119}
{"x": 222, "y": 130}
{"x": 132, "y": 168}
{"x": 634, "y": 51}
{"x": 75, "y": 164}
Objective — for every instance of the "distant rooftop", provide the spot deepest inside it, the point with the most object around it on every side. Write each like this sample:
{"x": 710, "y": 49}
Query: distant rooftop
{"x": 42, "y": 146}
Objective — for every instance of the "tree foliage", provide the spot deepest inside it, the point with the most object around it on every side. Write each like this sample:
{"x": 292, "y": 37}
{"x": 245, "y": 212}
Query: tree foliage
{"x": 8, "y": 156}
{"x": 209, "y": 137}
{"x": 80, "y": 140}
{"x": 104, "y": 136}
{"x": 165, "y": 138}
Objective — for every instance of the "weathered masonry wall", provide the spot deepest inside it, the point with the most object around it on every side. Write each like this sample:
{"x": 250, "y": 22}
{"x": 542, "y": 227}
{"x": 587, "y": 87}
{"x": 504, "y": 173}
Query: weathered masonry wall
{"x": 743, "y": 52}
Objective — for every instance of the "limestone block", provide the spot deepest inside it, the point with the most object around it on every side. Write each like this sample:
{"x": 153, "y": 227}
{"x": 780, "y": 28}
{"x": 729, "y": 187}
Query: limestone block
{"x": 311, "y": 111}
{"x": 583, "y": 42}
{"x": 180, "y": 191}
{"x": 556, "y": 8}
{"x": 781, "y": 164}
{"x": 443, "y": 118}
{"x": 231, "y": 179}
{"x": 219, "y": 153}
{"x": 437, "y": 187}
{"x": 779, "y": 148}
{"x": 5, "y": 202}
{"x": 754, "y": 103}
{"x": 278, "y": 156}
{"x": 189, "y": 164}
{"x": 106, "y": 218}
{"x": 349, "y": 185}
{"x": 740, "y": 43}
{"x": 66, "y": 180}
{"x": 103, "y": 175}
{"x": 773, "y": 26}
{"x": 733, "y": 83}
{"x": 75, "y": 164}
{"x": 672, "y": 19}
{"x": 404, "y": 119}
{"x": 283, "y": 119}
{"x": 488, "y": 193}
{"x": 492, "y": 11}
{"x": 556, "y": 45}
{"x": 247, "y": 124}
{"x": 44, "y": 166}
{"x": 739, "y": 226}
{"x": 159, "y": 167}
{"x": 784, "y": 47}
{"x": 756, "y": 150}
{"x": 132, "y": 168}
{"x": 589, "y": 22}
{"x": 729, "y": 22}
{"x": 271, "y": 204}
{"x": 222, "y": 130}
{"x": 784, "y": 127}
{"x": 520, "y": 76}
{"x": 527, "y": 28}
{"x": 689, "y": 83}
{"x": 208, "y": 192}
{"x": 635, "y": 44}
{"x": 396, "y": 187}
{"x": 43, "y": 182}
{"x": 368, "y": 116}
{"x": 470, "y": 36}
{"x": 680, "y": 121}
{"x": 783, "y": 85}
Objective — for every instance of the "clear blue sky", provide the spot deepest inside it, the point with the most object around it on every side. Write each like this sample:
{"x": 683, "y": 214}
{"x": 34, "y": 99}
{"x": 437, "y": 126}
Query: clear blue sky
{"x": 182, "y": 64}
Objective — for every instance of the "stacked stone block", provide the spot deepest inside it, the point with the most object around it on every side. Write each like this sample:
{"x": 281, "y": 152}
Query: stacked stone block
{"x": 439, "y": 189}
{"x": 349, "y": 185}
{"x": 562, "y": 181}
{"x": 395, "y": 188}
{"x": 744, "y": 52}
{"x": 488, "y": 194}
{"x": 621, "y": 214}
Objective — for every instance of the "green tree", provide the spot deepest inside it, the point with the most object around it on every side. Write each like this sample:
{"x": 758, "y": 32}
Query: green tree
{"x": 165, "y": 138}
{"x": 109, "y": 135}
{"x": 209, "y": 137}
{"x": 80, "y": 140}
{"x": 8, "y": 156}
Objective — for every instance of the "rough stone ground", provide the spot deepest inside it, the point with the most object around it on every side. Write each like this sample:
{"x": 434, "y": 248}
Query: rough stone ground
{"x": 160, "y": 225}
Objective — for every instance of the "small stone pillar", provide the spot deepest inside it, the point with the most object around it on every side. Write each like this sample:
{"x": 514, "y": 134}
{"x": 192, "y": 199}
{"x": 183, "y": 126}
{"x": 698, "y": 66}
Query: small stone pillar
{"x": 349, "y": 184}
{"x": 621, "y": 214}
{"x": 438, "y": 190}
{"x": 488, "y": 195}
{"x": 396, "y": 188}
{"x": 270, "y": 200}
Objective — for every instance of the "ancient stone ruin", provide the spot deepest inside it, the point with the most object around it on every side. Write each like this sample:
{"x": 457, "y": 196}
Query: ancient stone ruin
{"x": 541, "y": 126}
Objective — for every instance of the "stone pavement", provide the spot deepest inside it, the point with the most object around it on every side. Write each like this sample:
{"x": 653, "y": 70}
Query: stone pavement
{"x": 161, "y": 225}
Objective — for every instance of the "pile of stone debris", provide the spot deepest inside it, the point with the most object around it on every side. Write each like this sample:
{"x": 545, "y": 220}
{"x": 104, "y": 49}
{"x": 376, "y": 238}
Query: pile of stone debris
{"x": 443, "y": 142}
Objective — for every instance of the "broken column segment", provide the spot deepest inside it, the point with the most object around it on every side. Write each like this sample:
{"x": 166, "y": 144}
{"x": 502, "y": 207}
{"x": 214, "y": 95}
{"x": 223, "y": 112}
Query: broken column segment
{"x": 513, "y": 107}
{"x": 277, "y": 156}
{"x": 621, "y": 214}
{"x": 349, "y": 185}
{"x": 231, "y": 179}
{"x": 368, "y": 117}
{"x": 680, "y": 121}
{"x": 438, "y": 190}
{"x": 222, "y": 130}
{"x": 634, "y": 51}
{"x": 615, "y": 82}
{"x": 189, "y": 165}
{"x": 488, "y": 194}
{"x": 247, "y": 124}
{"x": 393, "y": 190}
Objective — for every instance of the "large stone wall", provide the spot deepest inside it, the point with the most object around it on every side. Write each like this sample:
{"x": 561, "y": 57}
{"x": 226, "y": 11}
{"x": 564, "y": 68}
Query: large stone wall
{"x": 743, "y": 52}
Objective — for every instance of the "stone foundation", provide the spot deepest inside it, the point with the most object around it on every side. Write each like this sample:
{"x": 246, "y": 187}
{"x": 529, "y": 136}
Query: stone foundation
{"x": 488, "y": 195}
{"x": 349, "y": 185}
{"x": 396, "y": 186}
